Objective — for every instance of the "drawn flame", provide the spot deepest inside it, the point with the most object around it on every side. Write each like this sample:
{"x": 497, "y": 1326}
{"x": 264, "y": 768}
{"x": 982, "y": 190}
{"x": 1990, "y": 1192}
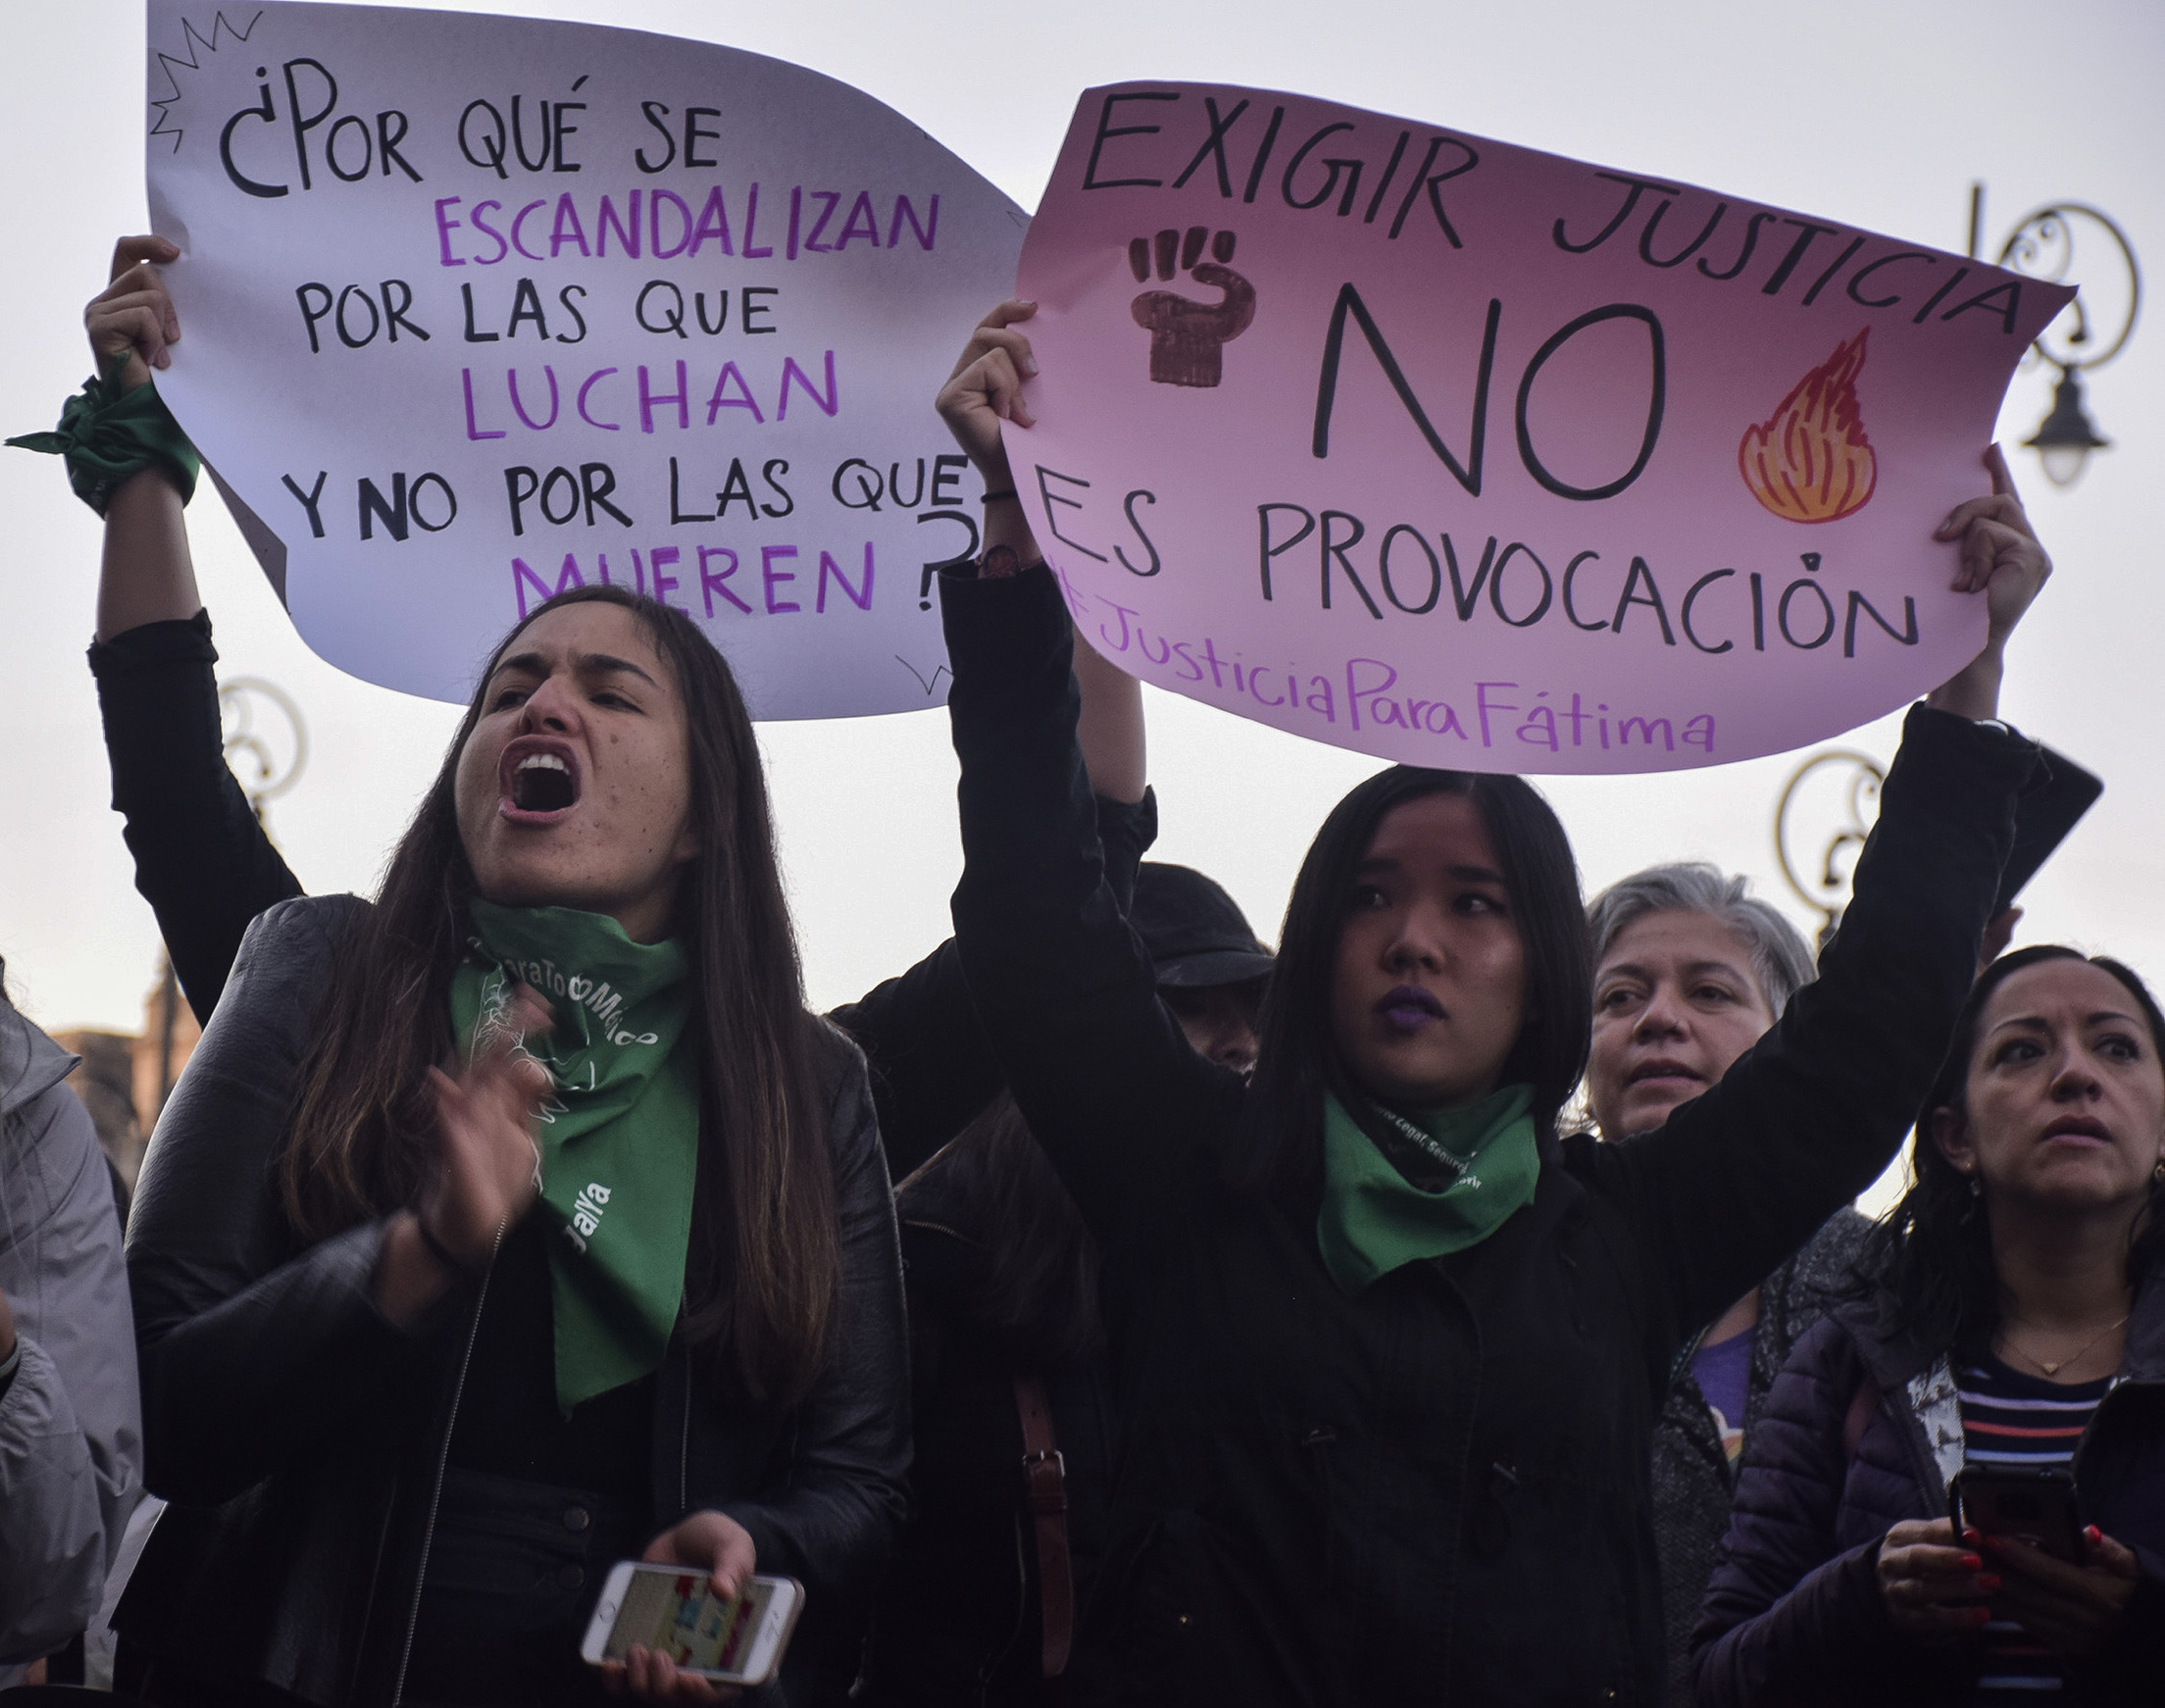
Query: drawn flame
{"x": 1810, "y": 461}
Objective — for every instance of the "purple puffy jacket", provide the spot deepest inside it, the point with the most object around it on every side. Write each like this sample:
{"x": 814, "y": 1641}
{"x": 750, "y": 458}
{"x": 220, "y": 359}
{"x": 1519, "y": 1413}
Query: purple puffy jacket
{"x": 1860, "y": 1433}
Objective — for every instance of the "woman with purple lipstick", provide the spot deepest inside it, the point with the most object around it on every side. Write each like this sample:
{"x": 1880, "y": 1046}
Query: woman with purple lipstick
{"x": 1389, "y": 1348}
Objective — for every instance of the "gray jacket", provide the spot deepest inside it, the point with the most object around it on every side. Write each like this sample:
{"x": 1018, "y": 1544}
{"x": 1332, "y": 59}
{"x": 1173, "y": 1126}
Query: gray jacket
{"x": 71, "y": 1427}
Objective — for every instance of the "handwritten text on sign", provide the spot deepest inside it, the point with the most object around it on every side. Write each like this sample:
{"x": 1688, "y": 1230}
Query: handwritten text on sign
{"x": 476, "y": 309}
{"x": 1465, "y": 456}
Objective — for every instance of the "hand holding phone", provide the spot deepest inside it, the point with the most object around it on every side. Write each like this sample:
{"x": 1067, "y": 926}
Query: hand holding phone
{"x": 695, "y": 1582}
{"x": 2035, "y": 1508}
{"x": 676, "y": 1638}
{"x": 2064, "y": 1583}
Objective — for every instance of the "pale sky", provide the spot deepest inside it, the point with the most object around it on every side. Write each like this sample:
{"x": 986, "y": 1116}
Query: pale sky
{"x": 1878, "y": 112}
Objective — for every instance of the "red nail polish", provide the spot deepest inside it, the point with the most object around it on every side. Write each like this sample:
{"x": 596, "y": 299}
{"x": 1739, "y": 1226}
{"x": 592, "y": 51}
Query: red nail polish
{"x": 1985, "y": 1615}
{"x": 2093, "y": 1535}
{"x": 1989, "y": 1583}
{"x": 1972, "y": 1563}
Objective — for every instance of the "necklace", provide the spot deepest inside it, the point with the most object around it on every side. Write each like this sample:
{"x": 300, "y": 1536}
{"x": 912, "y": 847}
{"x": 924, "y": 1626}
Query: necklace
{"x": 2055, "y": 1369}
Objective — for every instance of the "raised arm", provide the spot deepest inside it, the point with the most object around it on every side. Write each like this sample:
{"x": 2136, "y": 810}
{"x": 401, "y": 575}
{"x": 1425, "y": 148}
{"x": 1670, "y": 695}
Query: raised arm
{"x": 202, "y": 860}
{"x": 1064, "y": 988}
{"x": 1810, "y": 1114}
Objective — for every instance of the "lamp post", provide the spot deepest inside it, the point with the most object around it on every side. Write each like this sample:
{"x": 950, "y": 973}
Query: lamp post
{"x": 277, "y": 765}
{"x": 2064, "y": 242}
{"x": 1831, "y": 817}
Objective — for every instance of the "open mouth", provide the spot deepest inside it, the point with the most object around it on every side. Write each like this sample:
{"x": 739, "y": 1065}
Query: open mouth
{"x": 538, "y": 782}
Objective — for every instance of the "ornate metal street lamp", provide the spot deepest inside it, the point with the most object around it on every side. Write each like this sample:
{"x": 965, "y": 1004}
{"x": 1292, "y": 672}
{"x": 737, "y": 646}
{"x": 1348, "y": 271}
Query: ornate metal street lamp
{"x": 2064, "y": 242}
{"x": 1844, "y": 795}
{"x": 278, "y": 763}
{"x": 275, "y": 765}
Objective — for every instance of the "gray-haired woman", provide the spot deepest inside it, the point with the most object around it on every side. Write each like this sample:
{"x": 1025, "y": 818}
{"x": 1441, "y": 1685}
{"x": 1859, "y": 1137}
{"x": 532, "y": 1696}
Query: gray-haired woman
{"x": 1690, "y": 969}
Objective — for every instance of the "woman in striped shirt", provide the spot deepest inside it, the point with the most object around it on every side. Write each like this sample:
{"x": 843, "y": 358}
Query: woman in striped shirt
{"x": 2017, "y": 1321}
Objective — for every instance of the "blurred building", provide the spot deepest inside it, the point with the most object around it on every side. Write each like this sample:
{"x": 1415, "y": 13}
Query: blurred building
{"x": 125, "y": 1079}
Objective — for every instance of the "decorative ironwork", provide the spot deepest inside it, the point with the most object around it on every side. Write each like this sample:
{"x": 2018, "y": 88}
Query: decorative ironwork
{"x": 277, "y": 763}
{"x": 1822, "y": 881}
{"x": 2061, "y": 243}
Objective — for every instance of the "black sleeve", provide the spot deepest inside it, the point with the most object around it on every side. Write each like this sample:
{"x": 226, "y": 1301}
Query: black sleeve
{"x": 1064, "y": 987}
{"x": 251, "y": 1352}
{"x": 932, "y": 1068}
{"x": 202, "y": 861}
{"x": 1808, "y": 1116}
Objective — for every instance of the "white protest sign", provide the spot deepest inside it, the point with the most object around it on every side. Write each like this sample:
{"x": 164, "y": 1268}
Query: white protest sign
{"x": 475, "y": 309}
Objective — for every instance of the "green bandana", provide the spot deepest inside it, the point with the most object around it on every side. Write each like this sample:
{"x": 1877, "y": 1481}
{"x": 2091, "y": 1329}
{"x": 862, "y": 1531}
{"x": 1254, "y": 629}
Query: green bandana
{"x": 106, "y": 435}
{"x": 620, "y": 1138}
{"x": 1424, "y": 1187}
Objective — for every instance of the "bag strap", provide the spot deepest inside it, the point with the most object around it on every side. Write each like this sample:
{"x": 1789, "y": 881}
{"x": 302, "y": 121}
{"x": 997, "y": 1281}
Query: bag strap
{"x": 1045, "y": 1480}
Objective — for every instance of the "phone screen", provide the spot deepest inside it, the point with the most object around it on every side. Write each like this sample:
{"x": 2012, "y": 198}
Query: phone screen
{"x": 678, "y": 1614}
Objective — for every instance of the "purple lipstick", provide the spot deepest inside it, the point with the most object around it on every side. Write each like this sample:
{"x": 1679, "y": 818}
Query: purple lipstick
{"x": 1408, "y": 1008}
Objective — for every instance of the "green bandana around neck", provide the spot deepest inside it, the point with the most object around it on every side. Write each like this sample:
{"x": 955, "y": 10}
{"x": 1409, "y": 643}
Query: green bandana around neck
{"x": 1478, "y": 1165}
{"x": 620, "y": 1136}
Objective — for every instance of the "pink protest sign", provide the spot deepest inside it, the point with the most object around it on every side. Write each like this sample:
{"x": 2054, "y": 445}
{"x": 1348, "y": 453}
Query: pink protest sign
{"x": 1466, "y": 455}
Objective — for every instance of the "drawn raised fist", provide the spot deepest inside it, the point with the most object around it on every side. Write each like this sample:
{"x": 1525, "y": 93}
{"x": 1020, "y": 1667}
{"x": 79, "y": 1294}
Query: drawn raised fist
{"x": 1188, "y": 338}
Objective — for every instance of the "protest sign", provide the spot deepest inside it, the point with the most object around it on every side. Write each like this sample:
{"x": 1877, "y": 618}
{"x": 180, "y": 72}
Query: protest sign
{"x": 1465, "y": 456}
{"x": 475, "y": 309}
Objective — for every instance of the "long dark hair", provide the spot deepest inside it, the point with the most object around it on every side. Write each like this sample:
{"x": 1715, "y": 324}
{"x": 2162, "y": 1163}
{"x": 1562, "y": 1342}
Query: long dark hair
{"x": 1930, "y": 1260}
{"x": 1034, "y": 1289}
{"x": 765, "y": 1257}
{"x": 1282, "y": 1148}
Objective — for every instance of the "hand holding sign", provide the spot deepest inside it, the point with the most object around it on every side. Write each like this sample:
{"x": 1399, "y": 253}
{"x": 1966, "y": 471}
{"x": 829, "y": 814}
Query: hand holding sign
{"x": 133, "y": 313}
{"x": 2000, "y": 556}
{"x": 480, "y": 309}
{"x": 1470, "y": 456}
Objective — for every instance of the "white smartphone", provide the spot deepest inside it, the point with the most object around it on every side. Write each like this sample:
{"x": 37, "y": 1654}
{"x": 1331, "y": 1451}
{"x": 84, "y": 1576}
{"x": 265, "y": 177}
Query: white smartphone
{"x": 675, "y": 1612}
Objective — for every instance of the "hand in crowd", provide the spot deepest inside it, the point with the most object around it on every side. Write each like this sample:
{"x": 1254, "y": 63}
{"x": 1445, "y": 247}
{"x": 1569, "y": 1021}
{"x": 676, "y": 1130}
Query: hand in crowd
{"x": 1933, "y": 1586}
{"x": 2000, "y": 557}
{"x": 133, "y": 313}
{"x": 2072, "y": 1609}
{"x": 718, "y": 1544}
{"x": 985, "y": 390}
{"x": 487, "y": 1164}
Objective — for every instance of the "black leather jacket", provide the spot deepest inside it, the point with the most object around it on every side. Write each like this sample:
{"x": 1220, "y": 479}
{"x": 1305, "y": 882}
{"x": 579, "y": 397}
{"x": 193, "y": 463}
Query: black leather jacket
{"x": 300, "y": 1437}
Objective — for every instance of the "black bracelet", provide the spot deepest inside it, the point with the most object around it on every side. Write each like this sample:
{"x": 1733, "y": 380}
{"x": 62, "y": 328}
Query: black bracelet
{"x": 442, "y": 1252}
{"x": 1002, "y": 494}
